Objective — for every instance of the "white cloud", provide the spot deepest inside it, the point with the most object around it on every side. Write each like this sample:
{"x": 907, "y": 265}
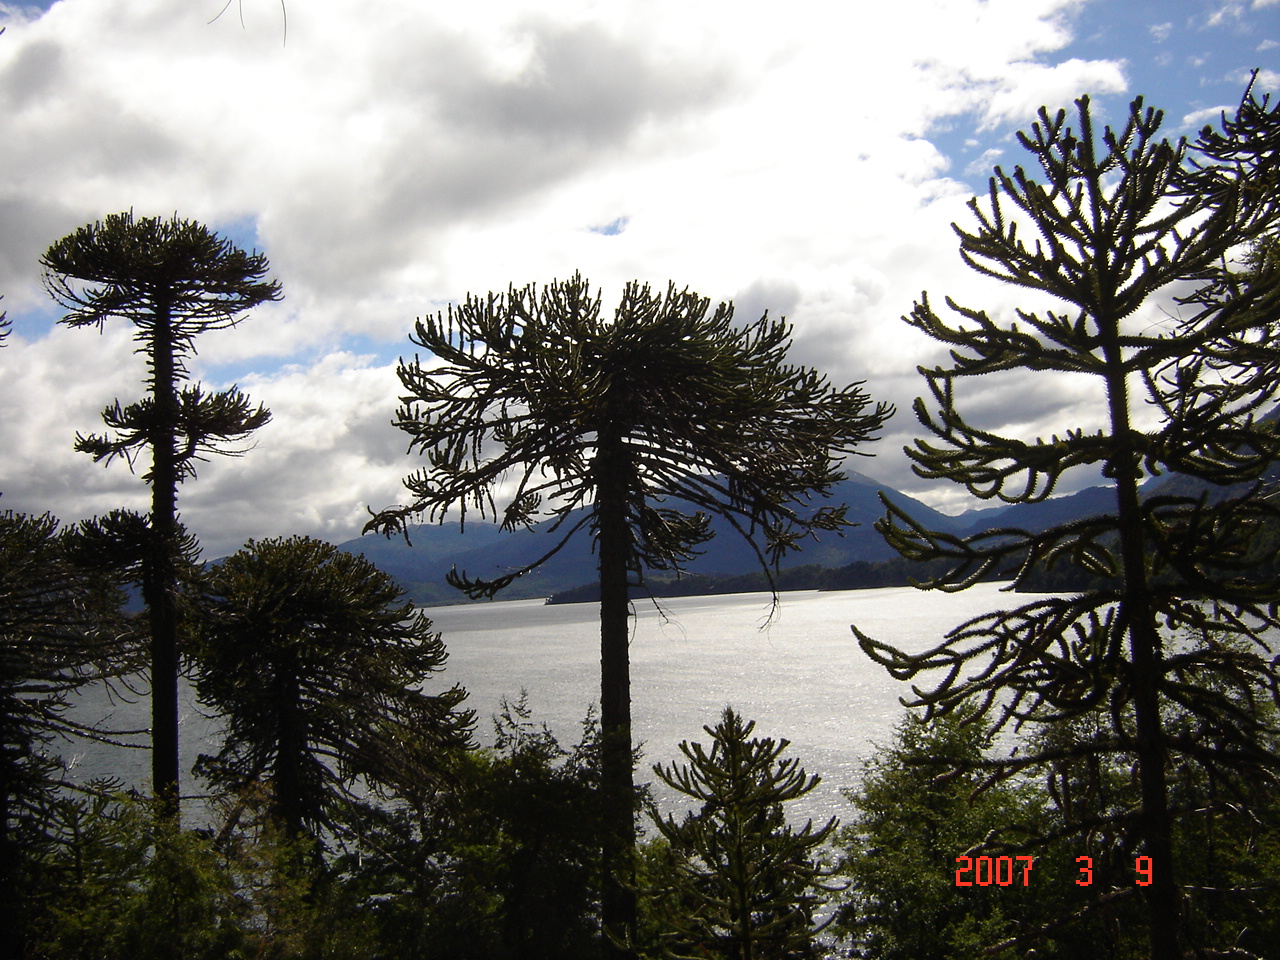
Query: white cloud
{"x": 392, "y": 157}
{"x": 985, "y": 163}
{"x": 1058, "y": 85}
{"x": 1227, "y": 13}
{"x": 329, "y": 452}
{"x": 1193, "y": 122}
{"x": 52, "y": 391}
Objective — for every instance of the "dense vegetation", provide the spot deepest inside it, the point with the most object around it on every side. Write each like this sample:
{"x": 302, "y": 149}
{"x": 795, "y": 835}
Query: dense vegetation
{"x": 1094, "y": 775}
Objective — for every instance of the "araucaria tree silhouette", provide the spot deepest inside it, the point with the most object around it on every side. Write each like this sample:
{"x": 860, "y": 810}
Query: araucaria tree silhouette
{"x": 173, "y": 280}
{"x": 1139, "y": 242}
{"x": 665, "y": 400}
{"x": 318, "y": 663}
{"x": 749, "y": 882}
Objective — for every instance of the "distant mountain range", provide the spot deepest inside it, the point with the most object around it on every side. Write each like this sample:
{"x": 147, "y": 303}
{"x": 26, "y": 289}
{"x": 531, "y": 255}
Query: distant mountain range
{"x": 484, "y": 550}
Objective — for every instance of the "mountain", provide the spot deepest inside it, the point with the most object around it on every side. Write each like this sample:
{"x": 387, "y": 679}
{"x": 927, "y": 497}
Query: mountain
{"x": 727, "y": 563}
{"x": 1090, "y": 502}
{"x": 484, "y": 550}
{"x": 1037, "y": 517}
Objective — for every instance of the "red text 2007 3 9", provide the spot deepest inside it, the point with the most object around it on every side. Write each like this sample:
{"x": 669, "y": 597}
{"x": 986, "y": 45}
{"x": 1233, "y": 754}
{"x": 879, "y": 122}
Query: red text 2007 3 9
{"x": 1003, "y": 871}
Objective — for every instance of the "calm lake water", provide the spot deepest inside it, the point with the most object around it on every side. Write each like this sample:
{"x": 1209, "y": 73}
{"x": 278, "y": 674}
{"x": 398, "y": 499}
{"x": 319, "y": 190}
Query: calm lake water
{"x": 800, "y": 676}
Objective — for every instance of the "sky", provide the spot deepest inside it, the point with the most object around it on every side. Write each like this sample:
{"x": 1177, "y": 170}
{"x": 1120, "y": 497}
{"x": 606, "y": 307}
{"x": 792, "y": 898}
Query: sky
{"x": 391, "y": 156}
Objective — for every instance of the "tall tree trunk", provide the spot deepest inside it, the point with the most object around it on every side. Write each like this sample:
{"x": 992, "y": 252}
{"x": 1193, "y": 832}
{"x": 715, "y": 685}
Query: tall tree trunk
{"x": 618, "y": 901}
{"x": 1146, "y": 656}
{"x": 160, "y": 573}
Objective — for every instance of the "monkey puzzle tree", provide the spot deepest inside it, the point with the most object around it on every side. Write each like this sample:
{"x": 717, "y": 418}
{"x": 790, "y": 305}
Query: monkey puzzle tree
{"x": 173, "y": 280}
{"x": 1133, "y": 237}
{"x": 317, "y": 664}
{"x": 750, "y": 882}
{"x": 664, "y": 400}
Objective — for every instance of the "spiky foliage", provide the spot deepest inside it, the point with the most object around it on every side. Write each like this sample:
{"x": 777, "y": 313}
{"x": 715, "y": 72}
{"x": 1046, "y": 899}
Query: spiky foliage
{"x": 1134, "y": 237}
{"x": 317, "y": 663}
{"x": 538, "y": 384}
{"x": 748, "y": 881}
{"x": 173, "y": 280}
{"x": 60, "y": 628}
{"x": 666, "y": 399}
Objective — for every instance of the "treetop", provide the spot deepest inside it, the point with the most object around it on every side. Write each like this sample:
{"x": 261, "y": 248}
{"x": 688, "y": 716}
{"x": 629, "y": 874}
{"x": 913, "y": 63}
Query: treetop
{"x": 668, "y": 394}
{"x": 127, "y": 266}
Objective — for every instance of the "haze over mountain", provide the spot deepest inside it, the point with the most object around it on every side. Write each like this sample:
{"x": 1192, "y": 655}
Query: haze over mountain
{"x": 484, "y": 550}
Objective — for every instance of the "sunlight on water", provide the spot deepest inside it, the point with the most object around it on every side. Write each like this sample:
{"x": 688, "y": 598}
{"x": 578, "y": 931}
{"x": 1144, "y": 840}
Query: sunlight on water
{"x": 800, "y": 676}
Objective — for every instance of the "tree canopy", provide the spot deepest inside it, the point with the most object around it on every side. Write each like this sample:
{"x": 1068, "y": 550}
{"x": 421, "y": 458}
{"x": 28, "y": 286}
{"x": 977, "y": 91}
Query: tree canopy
{"x": 318, "y": 664}
{"x": 665, "y": 400}
{"x": 1138, "y": 240}
{"x": 537, "y": 383}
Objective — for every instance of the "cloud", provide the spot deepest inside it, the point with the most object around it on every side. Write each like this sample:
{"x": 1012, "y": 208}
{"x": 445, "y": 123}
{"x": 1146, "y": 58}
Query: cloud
{"x": 1227, "y": 13}
{"x": 390, "y": 160}
{"x": 985, "y": 163}
{"x": 1056, "y": 86}
{"x": 329, "y": 452}
{"x": 1193, "y": 122}
{"x": 51, "y": 393}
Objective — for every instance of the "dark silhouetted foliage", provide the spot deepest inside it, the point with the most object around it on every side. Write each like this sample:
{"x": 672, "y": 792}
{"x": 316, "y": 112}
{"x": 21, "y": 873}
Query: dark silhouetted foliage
{"x": 666, "y": 399}
{"x": 318, "y": 665}
{"x": 173, "y": 280}
{"x": 1112, "y": 227}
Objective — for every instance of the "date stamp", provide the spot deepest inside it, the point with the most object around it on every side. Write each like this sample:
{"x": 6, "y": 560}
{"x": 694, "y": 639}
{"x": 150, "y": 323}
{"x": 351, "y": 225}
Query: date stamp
{"x": 1003, "y": 871}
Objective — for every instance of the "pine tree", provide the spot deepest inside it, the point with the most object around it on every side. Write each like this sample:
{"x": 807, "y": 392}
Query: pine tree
{"x": 317, "y": 664}
{"x": 1113, "y": 228}
{"x": 750, "y": 882}
{"x": 663, "y": 401}
{"x": 173, "y": 280}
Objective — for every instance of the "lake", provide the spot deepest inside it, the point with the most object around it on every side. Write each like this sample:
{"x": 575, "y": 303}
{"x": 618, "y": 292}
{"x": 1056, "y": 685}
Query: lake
{"x": 800, "y": 675}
